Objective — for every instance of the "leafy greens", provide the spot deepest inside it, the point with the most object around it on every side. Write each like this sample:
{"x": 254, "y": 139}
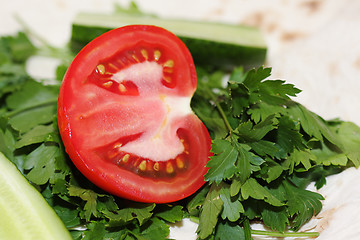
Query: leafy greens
{"x": 266, "y": 149}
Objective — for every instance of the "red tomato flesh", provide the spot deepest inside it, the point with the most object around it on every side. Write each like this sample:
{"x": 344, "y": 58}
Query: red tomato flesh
{"x": 125, "y": 119}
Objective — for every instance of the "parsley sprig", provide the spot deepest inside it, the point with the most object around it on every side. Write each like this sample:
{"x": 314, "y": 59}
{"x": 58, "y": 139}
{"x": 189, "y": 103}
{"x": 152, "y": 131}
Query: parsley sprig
{"x": 266, "y": 149}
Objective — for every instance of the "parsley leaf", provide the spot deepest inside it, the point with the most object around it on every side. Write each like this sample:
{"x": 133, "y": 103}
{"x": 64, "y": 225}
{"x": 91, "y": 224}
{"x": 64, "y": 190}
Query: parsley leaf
{"x": 301, "y": 204}
{"x": 32, "y": 105}
{"x": 349, "y": 133}
{"x": 41, "y": 163}
{"x": 222, "y": 164}
{"x": 226, "y": 230}
{"x": 154, "y": 229}
{"x": 170, "y": 213}
{"x": 140, "y": 212}
{"x": 232, "y": 205}
{"x": 210, "y": 211}
{"x": 251, "y": 188}
{"x": 268, "y": 140}
{"x": 90, "y": 198}
{"x": 274, "y": 217}
{"x": 312, "y": 124}
{"x": 38, "y": 134}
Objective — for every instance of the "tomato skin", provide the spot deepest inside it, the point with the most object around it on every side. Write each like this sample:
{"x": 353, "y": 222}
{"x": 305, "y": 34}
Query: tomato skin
{"x": 90, "y": 126}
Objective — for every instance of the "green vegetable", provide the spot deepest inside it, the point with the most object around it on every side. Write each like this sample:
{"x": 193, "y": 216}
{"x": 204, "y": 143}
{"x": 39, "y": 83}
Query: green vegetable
{"x": 212, "y": 45}
{"x": 267, "y": 149}
{"x": 24, "y": 212}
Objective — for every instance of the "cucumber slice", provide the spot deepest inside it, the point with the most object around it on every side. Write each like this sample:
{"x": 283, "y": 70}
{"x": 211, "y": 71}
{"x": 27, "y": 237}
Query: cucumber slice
{"x": 24, "y": 213}
{"x": 214, "y": 45}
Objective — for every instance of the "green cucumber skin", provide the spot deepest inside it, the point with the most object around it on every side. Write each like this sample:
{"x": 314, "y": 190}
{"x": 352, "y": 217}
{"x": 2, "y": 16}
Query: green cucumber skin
{"x": 224, "y": 56}
{"x": 206, "y": 53}
{"x": 25, "y": 214}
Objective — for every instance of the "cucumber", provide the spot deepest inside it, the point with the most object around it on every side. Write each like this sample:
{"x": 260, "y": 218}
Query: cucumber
{"x": 24, "y": 213}
{"x": 213, "y": 45}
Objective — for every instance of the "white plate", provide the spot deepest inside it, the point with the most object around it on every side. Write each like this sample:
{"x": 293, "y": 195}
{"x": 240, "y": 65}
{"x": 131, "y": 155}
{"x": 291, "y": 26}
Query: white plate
{"x": 312, "y": 43}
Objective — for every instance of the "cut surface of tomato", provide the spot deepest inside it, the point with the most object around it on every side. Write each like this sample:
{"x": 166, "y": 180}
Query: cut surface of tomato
{"x": 125, "y": 119}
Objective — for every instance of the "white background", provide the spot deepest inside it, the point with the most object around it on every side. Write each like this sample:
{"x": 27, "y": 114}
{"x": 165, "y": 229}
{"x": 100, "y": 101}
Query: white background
{"x": 314, "y": 44}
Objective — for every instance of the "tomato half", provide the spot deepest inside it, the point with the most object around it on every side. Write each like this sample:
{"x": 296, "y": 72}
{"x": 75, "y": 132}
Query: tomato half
{"x": 125, "y": 119}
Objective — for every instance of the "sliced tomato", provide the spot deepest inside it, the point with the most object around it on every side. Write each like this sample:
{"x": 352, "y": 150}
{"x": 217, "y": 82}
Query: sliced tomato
{"x": 125, "y": 119}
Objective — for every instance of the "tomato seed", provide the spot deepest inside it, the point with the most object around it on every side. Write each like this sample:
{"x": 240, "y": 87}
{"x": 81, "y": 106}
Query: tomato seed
{"x": 122, "y": 87}
{"x": 156, "y": 166}
{"x": 108, "y": 84}
{"x": 142, "y": 165}
{"x": 118, "y": 145}
{"x": 135, "y": 58}
{"x": 101, "y": 69}
{"x": 169, "y": 63}
{"x": 126, "y": 158}
{"x": 144, "y": 53}
{"x": 169, "y": 168}
{"x": 179, "y": 163}
{"x": 157, "y": 55}
{"x": 167, "y": 79}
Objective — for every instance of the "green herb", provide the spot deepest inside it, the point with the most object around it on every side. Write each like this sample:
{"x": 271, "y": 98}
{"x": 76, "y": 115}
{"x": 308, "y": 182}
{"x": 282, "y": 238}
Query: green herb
{"x": 267, "y": 149}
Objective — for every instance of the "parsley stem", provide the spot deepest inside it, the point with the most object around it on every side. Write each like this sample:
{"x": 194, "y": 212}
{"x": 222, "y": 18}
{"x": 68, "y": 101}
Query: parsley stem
{"x": 285, "y": 234}
{"x": 247, "y": 230}
{"x": 47, "y": 49}
{"x": 28, "y": 30}
{"x": 81, "y": 227}
{"x": 220, "y": 109}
